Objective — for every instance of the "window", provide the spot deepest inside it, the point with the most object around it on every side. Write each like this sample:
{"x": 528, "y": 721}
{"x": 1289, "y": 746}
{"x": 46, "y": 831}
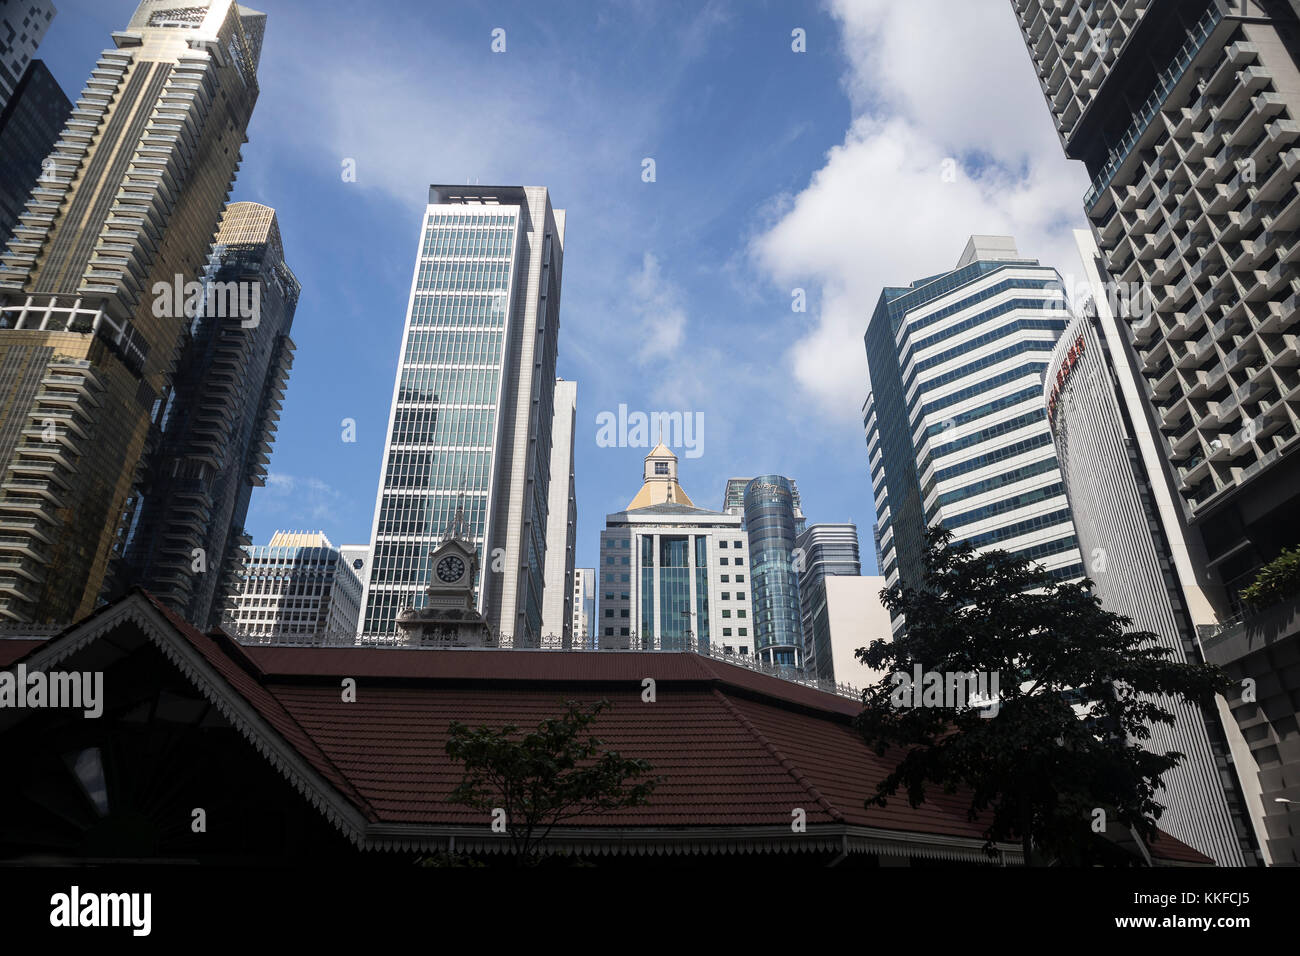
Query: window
{"x": 622, "y": 632}
{"x": 740, "y": 579}
{"x": 744, "y": 632}
{"x": 661, "y": 468}
{"x": 726, "y": 578}
{"x": 722, "y": 561}
{"x": 740, "y": 595}
{"x": 722, "y": 544}
{"x": 726, "y": 632}
{"x": 609, "y": 632}
{"x": 739, "y": 544}
{"x": 623, "y": 613}
{"x": 726, "y": 612}
{"x": 740, "y": 613}
{"x": 740, "y": 561}
{"x": 609, "y": 612}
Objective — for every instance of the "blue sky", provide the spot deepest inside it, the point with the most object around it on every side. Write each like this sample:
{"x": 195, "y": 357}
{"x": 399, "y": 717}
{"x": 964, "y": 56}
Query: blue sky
{"x": 865, "y": 161}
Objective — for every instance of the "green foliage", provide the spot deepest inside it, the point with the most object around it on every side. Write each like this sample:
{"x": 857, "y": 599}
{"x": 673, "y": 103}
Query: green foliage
{"x": 553, "y": 774}
{"x": 1278, "y": 579}
{"x": 1076, "y": 697}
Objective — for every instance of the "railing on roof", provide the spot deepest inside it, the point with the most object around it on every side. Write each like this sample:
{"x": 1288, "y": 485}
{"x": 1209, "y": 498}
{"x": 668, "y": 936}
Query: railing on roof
{"x": 550, "y": 642}
{"x": 30, "y": 632}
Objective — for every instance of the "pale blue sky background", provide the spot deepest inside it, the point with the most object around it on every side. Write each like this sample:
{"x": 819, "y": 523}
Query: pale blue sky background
{"x": 775, "y": 170}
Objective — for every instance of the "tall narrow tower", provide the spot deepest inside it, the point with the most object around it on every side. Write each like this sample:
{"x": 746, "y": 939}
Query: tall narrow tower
{"x": 473, "y": 406}
{"x": 89, "y": 330}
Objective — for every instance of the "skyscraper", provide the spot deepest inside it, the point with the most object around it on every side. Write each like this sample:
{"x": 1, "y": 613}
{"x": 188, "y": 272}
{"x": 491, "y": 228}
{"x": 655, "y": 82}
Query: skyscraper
{"x": 671, "y": 574}
{"x": 562, "y": 518}
{"x": 1186, "y": 116}
{"x": 213, "y": 440}
{"x": 89, "y": 324}
{"x": 473, "y": 405}
{"x": 956, "y": 429}
{"x": 822, "y": 551}
{"x": 22, "y": 27}
{"x": 1135, "y": 575}
{"x": 299, "y": 587}
{"x": 771, "y": 529}
{"x": 584, "y": 606}
{"x": 1193, "y": 204}
{"x": 733, "y": 500}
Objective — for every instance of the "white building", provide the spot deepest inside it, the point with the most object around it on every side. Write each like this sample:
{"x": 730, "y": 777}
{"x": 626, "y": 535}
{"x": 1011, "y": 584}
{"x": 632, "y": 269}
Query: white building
{"x": 672, "y": 574}
{"x": 854, "y": 618}
{"x": 298, "y": 587}
{"x": 561, "y": 518}
{"x": 472, "y": 406}
{"x": 584, "y": 604}
{"x": 956, "y": 429}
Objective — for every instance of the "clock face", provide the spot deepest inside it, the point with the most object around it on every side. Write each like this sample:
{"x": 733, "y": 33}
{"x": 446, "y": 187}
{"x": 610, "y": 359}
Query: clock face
{"x": 450, "y": 569}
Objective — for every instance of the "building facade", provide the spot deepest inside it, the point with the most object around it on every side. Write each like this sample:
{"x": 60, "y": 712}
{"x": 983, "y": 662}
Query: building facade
{"x": 185, "y": 533}
{"x": 822, "y": 551}
{"x": 1135, "y": 576}
{"x": 91, "y": 281}
{"x": 562, "y": 517}
{"x": 1192, "y": 208}
{"x": 733, "y": 501}
{"x": 473, "y": 405}
{"x": 297, "y": 588}
{"x": 29, "y": 127}
{"x": 1193, "y": 203}
{"x": 956, "y": 429}
{"x": 22, "y": 27}
{"x": 771, "y": 529}
{"x": 584, "y": 606}
{"x": 672, "y": 575}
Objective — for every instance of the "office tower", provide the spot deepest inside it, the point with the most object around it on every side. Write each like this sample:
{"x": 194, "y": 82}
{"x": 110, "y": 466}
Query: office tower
{"x": 1129, "y": 559}
{"x": 29, "y": 126}
{"x": 185, "y": 527}
{"x": 1193, "y": 209}
{"x": 956, "y": 429}
{"x": 358, "y": 558}
{"x": 562, "y": 518}
{"x": 22, "y": 27}
{"x": 733, "y": 501}
{"x": 673, "y": 575}
{"x": 89, "y": 317}
{"x": 822, "y": 551}
{"x": 771, "y": 529}
{"x": 472, "y": 407}
{"x": 584, "y": 607}
{"x": 1193, "y": 203}
{"x": 298, "y": 587}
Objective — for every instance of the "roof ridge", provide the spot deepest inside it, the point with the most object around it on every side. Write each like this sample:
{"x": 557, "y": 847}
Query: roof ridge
{"x": 786, "y": 763}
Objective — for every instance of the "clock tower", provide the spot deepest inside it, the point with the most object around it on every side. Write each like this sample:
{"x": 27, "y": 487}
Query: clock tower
{"x": 449, "y": 617}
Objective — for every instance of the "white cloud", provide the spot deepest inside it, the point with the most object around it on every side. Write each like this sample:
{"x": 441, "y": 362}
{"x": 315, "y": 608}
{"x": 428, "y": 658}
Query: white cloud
{"x": 935, "y": 87}
{"x": 293, "y": 503}
{"x": 661, "y": 319}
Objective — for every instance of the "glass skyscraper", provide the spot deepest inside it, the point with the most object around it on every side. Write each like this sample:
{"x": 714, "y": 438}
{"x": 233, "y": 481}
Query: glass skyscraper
{"x": 956, "y": 428}
{"x": 771, "y": 529}
{"x": 473, "y": 406}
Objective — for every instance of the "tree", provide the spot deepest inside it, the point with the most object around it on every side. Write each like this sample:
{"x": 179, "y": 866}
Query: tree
{"x": 1076, "y": 694}
{"x": 1278, "y": 579}
{"x": 546, "y": 777}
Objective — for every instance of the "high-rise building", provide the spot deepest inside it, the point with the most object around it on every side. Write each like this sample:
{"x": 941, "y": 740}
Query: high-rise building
{"x": 584, "y": 606}
{"x": 473, "y": 405}
{"x": 92, "y": 290}
{"x": 733, "y": 501}
{"x": 299, "y": 588}
{"x": 822, "y": 551}
{"x": 185, "y": 531}
{"x": 956, "y": 429}
{"x": 29, "y": 127}
{"x": 771, "y": 529}
{"x": 673, "y": 575}
{"x": 1131, "y": 562}
{"x": 1186, "y": 116}
{"x": 562, "y": 518}
{"x": 22, "y": 27}
{"x": 853, "y": 617}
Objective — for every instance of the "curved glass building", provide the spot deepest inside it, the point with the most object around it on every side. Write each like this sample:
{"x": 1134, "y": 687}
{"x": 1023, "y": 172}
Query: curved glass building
{"x": 770, "y": 525}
